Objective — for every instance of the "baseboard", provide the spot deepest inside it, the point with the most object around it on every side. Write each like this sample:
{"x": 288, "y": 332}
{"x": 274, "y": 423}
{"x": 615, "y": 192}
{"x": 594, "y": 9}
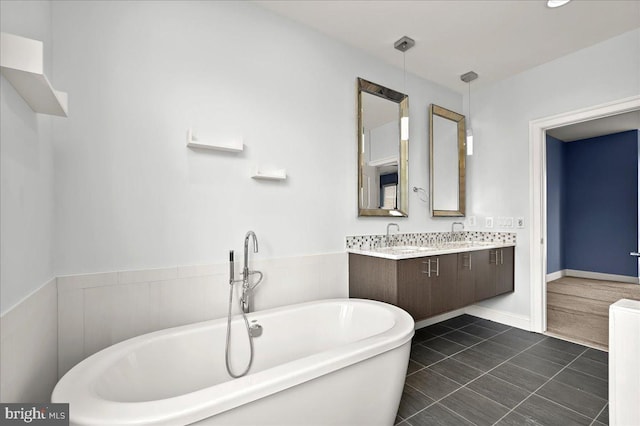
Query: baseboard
{"x": 600, "y": 276}
{"x": 502, "y": 317}
{"x": 439, "y": 318}
{"x": 556, "y": 275}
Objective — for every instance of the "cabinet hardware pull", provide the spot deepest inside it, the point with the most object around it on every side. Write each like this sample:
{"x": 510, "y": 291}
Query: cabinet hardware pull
{"x": 501, "y": 257}
{"x": 466, "y": 261}
{"x": 428, "y": 271}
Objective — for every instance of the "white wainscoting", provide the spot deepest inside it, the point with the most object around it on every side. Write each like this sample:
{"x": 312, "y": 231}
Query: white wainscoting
{"x": 99, "y": 310}
{"x": 28, "y": 349}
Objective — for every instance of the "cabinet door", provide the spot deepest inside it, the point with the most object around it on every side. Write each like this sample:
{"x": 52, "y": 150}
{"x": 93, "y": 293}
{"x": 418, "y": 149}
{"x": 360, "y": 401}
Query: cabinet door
{"x": 414, "y": 290}
{"x": 443, "y": 282}
{"x": 484, "y": 262}
{"x": 504, "y": 276}
{"x": 466, "y": 282}
{"x": 372, "y": 278}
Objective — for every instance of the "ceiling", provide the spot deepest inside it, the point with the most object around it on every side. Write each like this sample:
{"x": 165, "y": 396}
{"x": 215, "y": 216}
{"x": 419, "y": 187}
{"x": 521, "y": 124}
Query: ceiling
{"x": 599, "y": 127}
{"x": 496, "y": 39}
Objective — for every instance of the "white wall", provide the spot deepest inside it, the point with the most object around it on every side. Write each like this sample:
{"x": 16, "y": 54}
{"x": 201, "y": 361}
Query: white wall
{"x": 26, "y": 169}
{"x": 498, "y": 173}
{"x": 28, "y": 297}
{"x": 130, "y": 195}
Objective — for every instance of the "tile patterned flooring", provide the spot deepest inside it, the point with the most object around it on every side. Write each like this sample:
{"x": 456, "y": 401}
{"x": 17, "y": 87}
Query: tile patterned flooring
{"x": 468, "y": 370}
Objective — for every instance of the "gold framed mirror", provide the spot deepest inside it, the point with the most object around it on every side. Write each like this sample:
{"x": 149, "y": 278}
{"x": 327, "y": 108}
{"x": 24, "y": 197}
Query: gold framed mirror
{"x": 447, "y": 146}
{"x": 383, "y": 150}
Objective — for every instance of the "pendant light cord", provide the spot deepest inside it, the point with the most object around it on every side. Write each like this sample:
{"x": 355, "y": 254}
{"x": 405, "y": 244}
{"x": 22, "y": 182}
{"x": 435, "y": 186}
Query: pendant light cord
{"x": 404, "y": 69}
{"x": 469, "y": 84}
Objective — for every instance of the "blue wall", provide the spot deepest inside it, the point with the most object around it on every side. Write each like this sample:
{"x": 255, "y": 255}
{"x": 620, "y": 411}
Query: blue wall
{"x": 555, "y": 204}
{"x": 592, "y": 204}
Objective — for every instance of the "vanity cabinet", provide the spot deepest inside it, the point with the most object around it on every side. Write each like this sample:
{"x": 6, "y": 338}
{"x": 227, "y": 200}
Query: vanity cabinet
{"x": 426, "y": 285}
{"x": 494, "y": 272}
{"x": 466, "y": 281}
{"x": 484, "y": 275}
{"x": 505, "y": 271}
{"x": 423, "y": 286}
{"x": 432, "y": 285}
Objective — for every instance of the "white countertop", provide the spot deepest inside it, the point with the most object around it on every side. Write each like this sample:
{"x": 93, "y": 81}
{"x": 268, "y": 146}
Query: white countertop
{"x": 410, "y": 252}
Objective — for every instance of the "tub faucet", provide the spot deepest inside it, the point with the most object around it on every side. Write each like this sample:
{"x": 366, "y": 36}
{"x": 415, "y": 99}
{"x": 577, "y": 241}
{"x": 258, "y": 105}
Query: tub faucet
{"x": 389, "y": 226}
{"x": 247, "y": 288}
{"x": 453, "y": 225}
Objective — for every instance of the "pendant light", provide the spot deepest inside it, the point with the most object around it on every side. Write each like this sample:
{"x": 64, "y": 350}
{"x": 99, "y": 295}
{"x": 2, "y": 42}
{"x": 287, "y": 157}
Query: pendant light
{"x": 404, "y": 44}
{"x": 556, "y": 3}
{"x": 468, "y": 78}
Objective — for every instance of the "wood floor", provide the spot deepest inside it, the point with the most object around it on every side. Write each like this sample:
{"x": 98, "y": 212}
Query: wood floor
{"x": 578, "y": 308}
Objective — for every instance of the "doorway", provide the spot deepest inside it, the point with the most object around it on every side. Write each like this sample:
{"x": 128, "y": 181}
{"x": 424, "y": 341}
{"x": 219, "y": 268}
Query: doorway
{"x": 592, "y": 225}
{"x": 538, "y": 178}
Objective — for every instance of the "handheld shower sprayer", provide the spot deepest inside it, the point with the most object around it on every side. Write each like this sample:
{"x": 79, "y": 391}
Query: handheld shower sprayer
{"x": 253, "y": 330}
{"x": 231, "y": 269}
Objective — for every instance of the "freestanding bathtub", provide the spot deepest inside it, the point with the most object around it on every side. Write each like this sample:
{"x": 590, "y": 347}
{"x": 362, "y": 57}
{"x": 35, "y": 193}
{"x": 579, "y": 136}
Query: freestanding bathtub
{"x": 331, "y": 362}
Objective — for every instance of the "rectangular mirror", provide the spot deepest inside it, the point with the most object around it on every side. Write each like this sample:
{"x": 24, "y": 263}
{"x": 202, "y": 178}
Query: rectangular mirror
{"x": 383, "y": 150}
{"x": 447, "y": 147}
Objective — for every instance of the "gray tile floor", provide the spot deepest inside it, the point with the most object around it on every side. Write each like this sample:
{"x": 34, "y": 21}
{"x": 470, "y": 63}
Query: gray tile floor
{"x": 468, "y": 370}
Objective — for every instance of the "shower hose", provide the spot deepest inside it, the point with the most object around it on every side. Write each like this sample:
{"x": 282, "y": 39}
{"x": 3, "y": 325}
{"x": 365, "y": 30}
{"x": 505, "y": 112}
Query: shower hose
{"x": 246, "y": 323}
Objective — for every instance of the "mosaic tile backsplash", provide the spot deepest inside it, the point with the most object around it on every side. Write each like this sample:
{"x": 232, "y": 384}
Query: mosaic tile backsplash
{"x": 365, "y": 242}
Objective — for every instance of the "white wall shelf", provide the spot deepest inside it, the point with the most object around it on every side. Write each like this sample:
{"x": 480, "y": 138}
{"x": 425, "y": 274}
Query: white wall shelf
{"x": 22, "y": 64}
{"x": 272, "y": 174}
{"x": 232, "y": 146}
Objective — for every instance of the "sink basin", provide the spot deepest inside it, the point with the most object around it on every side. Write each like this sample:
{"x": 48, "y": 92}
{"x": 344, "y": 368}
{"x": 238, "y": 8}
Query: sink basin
{"x": 466, "y": 244}
{"x": 450, "y": 245}
{"x": 404, "y": 249}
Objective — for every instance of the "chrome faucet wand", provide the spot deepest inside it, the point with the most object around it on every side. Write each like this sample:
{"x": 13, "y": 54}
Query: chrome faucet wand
{"x": 245, "y": 270}
{"x": 246, "y": 288}
{"x": 254, "y": 329}
{"x": 453, "y": 225}
{"x": 389, "y": 226}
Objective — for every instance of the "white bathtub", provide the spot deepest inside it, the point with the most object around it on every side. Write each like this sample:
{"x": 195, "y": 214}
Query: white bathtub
{"x": 332, "y": 362}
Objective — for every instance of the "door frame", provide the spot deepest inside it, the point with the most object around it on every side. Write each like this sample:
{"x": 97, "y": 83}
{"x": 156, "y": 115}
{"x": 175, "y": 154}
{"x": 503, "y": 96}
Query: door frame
{"x": 538, "y": 197}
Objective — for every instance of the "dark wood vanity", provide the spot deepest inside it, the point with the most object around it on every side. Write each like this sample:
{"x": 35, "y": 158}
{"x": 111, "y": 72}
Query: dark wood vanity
{"x": 432, "y": 285}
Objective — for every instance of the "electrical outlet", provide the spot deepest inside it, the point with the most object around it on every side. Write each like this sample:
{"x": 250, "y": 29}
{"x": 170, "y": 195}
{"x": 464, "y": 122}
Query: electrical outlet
{"x": 520, "y": 222}
{"x": 488, "y": 222}
{"x": 471, "y": 221}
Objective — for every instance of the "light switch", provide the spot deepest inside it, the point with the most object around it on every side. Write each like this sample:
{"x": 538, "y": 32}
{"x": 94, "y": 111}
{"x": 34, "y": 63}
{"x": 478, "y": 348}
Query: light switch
{"x": 471, "y": 221}
{"x": 488, "y": 222}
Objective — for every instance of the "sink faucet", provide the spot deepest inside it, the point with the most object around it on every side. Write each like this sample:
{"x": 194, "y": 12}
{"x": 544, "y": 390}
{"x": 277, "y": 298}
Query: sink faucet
{"x": 246, "y": 287}
{"x": 389, "y": 226}
{"x": 453, "y": 225}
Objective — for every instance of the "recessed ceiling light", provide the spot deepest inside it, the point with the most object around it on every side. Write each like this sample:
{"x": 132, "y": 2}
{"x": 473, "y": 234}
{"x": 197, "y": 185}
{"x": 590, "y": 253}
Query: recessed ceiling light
{"x": 556, "y": 3}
